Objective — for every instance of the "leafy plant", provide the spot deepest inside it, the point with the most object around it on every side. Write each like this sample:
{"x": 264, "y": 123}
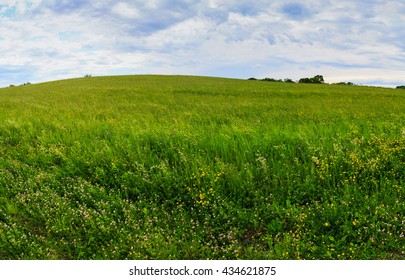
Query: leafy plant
{"x": 318, "y": 79}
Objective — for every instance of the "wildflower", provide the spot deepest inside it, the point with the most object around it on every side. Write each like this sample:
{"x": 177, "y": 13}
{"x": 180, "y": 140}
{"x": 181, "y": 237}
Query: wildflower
{"x": 315, "y": 160}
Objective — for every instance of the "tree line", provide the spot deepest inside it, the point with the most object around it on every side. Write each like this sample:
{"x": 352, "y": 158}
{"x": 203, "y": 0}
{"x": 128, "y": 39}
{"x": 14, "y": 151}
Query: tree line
{"x": 318, "y": 79}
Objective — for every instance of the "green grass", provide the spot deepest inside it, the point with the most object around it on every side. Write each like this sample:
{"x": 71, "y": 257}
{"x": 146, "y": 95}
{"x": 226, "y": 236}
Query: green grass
{"x": 176, "y": 167}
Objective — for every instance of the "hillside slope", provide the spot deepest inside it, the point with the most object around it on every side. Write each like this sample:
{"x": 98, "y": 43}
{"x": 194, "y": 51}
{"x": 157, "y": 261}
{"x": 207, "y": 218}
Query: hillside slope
{"x": 183, "y": 167}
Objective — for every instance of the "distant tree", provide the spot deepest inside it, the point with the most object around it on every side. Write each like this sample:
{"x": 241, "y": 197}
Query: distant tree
{"x": 287, "y": 80}
{"x": 304, "y": 81}
{"x": 252, "y": 79}
{"x": 12, "y": 85}
{"x": 345, "y": 83}
{"x": 318, "y": 79}
{"x": 400, "y": 87}
{"x": 270, "y": 80}
{"x": 87, "y": 75}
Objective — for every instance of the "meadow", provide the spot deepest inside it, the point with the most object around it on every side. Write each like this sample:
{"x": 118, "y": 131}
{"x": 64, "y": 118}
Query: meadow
{"x": 182, "y": 167}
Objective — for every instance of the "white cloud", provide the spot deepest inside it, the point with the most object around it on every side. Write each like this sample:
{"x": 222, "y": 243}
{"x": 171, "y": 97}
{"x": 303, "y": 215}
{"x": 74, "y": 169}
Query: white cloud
{"x": 126, "y": 10}
{"x": 57, "y": 39}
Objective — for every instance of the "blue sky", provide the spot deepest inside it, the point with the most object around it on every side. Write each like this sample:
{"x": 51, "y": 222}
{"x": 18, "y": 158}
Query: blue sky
{"x": 359, "y": 41}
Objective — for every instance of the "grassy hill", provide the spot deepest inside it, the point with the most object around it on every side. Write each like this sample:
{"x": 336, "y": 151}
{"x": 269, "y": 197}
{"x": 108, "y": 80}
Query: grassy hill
{"x": 181, "y": 167}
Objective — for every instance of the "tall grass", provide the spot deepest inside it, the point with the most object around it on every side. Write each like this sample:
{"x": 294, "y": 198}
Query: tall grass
{"x": 175, "y": 167}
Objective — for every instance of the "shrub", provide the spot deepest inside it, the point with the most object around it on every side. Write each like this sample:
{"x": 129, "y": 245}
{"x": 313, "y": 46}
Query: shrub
{"x": 270, "y": 80}
{"x": 345, "y": 83}
{"x": 318, "y": 79}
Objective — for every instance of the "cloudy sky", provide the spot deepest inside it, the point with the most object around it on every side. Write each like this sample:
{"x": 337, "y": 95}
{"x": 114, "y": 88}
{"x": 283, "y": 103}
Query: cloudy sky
{"x": 362, "y": 41}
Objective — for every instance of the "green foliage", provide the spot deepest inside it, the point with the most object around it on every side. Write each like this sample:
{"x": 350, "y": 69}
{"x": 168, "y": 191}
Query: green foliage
{"x": 345, "y": 83}
{"x": 271, "y": 80}
{"x": 287, "y": 80}
{"x": 173, "y": 167}
{"x": 318, "y": 79}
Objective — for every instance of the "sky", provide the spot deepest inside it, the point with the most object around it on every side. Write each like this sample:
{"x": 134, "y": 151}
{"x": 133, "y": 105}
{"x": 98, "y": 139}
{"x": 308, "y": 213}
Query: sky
{"x": 360, "y": 41}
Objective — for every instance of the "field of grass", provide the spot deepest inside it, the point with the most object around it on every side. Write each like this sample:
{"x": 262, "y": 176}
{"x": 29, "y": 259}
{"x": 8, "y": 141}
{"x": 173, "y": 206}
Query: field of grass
{"x": 176, "y": 167}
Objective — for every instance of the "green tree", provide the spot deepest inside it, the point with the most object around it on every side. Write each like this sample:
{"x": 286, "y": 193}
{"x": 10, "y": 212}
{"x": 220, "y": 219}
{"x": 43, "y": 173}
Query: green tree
{"x": 318, "y": 79}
